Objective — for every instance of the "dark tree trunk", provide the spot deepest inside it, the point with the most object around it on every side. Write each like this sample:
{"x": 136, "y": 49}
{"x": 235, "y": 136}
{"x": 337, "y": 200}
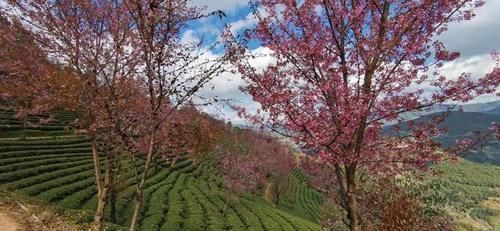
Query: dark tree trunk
{"x": 25, "y": 124}
{"x": 352, "y": 203}
{"x": 113, "y": 205}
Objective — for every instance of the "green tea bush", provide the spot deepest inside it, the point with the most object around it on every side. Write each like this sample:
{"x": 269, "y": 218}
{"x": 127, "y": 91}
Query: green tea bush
{"x": 25, "y": 173}
{"x": 19, "y": 147}
{"x": 39, "y": 188}
{"x": 59, "y": 193}
{"x": 482, "y": 213}
{"x": 48, "y": 176}
{"x": 44, "y": 152}
{"x": 17, "y": 160}
{"x": 76, "y": 200}
{"x": 194, "y": 210}
{"x": 36, "y": 163}
{"x": 175, "y": 209}
{"x": 156, "y": 208}
{"x": 51, "y": 141}
{"x": 40, "y": 128}
{"x": 215, "y": 220}
{"x": 233, "y": 221}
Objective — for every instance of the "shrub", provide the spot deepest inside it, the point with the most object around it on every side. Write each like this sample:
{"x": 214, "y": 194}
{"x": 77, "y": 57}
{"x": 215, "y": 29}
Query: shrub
{"x": 44, "y": 152}
{"x": 60, "y": 192}
{"x": 482, "y": 213}
{"x": 173, "y": 217}
{"x": 36, "y": 163}
{"x": 39, "y": 188}
{"x": 25, "y": 173}
{"x": 15, "y": 160}
{"x": 77, "y": 199}
{"x": 22, "y": 147}
{"x": 195, "y": 214}
{"x": 53, "y": 141}
{"x": 48, "y": 176}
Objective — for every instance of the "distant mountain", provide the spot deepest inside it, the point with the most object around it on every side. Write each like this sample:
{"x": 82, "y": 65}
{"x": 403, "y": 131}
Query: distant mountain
{"x": 492, "y": 107}
{"x": 480, "y": 107}
{"x": 462, "y": 124}
{"x": 494, "y": 111}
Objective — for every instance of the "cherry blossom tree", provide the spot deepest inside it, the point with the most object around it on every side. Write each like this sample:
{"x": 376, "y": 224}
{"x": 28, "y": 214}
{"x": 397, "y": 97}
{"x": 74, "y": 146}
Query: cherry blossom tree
{"x": 172, "y": 71}
{"x": 91, "y": 41}
{"x": 27, "y": 82}
{"x": 189, "y": 131}
{"x": 386, "y": 203}
{"x": 202, "y": 132}
{"x": 248, "y": 161}
{"x": 345, "y": 68}
{"x": 111, "y": 46}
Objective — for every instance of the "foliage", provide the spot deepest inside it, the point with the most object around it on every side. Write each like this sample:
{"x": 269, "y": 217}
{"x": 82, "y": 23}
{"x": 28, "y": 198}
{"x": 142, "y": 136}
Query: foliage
{"x": 466, "y": 187}
{"x": 187, "y": 196}
{"x": 342, "y": 69}
{"x": 248, "y": 160}
{"x": 27, "y": 82}
{"x": 301, "y": 199}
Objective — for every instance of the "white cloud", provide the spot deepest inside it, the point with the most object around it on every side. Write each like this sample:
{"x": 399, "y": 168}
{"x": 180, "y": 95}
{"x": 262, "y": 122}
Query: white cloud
{"x": 224, "y": 5}
{"x": 244, "y": 23}
{"x": 189, "y": 37}
{"x": 474, "y": 39}
{"x": 478, "y": 36}
{"x": 477, "y": 66}
{"x": 227, "y": 86}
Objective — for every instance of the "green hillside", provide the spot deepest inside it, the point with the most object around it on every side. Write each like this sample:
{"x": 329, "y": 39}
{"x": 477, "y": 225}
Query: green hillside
{"x": 470, "y": 188}
{"x": 472, "y": 193}
{"x": 301, "y": 199}
{"x": 55, "y": 166}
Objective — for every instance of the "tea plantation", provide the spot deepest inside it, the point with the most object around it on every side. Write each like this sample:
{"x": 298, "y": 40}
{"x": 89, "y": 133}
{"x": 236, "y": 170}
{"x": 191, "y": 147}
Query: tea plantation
{"x": 54, "y": 165}
{"x": 472, "y": 193}
{"x": 300, "y": 199}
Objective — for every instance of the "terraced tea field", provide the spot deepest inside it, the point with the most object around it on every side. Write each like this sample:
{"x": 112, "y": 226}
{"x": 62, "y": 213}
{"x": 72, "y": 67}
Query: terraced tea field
{"x": 300, "y": 199}
{"x": 472, "y": 191}
{"x": 55, "y": 166}
{"x": 11, "y": 127}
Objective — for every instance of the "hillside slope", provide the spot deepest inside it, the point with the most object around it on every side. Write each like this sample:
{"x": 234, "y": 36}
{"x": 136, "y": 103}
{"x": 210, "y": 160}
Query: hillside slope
{"x": 472, "y": 192}
{"x": 188, "y": 196}
{"x": 462, "y": 124}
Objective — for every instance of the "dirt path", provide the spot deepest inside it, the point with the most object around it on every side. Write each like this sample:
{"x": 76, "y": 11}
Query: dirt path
{"x": 24, "y": 216}
{"x": 7, "y": 223}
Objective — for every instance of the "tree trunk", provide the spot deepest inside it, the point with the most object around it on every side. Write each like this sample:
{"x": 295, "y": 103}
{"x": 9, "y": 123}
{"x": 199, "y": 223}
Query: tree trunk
{"x": 352, "y": 203}
{"x": 140, "y": 186}
{"x": 174, "y": 161}
{"x": 278, "y": 198}
{"x": 99, "y": 212}
{"x": 101, "y": 188}
{"x": 137, "y": 210}
{"x": 113, "y": 205}
{"x": 25, "y": 124}
{"x": 225, "y": 206}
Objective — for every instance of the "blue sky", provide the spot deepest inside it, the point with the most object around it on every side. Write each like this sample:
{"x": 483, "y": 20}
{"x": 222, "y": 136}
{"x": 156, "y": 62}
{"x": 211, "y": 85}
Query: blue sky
{"x": 474, "y": 39}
